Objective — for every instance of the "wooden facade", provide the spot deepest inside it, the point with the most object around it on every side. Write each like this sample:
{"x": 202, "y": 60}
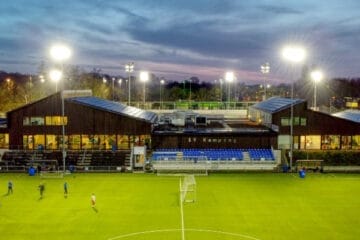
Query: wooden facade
{"x": 311, "y": 129}
{"x": 214, "y": 140}
{"x": 81, "y": 120}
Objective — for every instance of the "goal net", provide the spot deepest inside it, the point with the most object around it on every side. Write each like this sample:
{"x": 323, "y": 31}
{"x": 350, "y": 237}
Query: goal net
{"x": 48, "y": 168}
{"x": 197, "y": 166}
{"x": 310, "y": 164}
{"x": 188, "y": 189}
{"x": 52, "y": 174}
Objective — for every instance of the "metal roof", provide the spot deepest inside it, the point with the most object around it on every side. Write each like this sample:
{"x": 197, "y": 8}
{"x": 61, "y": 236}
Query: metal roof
{"x": 276, "y": 104}
{"x": 352, "y": 115}
{"x": 115, "y": 107}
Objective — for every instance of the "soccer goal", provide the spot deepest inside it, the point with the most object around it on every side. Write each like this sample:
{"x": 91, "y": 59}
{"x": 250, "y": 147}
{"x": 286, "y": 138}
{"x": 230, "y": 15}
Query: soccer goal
{"x": 197, "y": 166}
{"x": 51, "y": 174}
{"x": 48, "y": 169}
{"x": 188, "y": 189}
{"x": 314, "y": 165}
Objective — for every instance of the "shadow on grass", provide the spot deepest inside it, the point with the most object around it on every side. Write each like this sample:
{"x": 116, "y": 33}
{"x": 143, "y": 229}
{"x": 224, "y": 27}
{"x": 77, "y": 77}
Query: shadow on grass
{"x": 95, "y": 209}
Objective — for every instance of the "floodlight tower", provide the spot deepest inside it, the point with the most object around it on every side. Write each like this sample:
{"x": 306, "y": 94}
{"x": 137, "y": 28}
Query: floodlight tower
{"x": 265, "y": 69}
{"x": 229, "y": 78}
{"x": 129, "y": 68}
{"x": 60, "y": 53}
{"x": 316, "y": 76}
{"x": 144, "y": 77}
{"x": 295, "y": 55}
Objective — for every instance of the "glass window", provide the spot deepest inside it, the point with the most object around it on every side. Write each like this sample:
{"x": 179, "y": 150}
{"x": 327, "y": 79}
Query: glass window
{"x": 111, "y": 142}
{"x": 26, "y": 121}
{"x": 36, "y": 121}
{"x": 345, "y": 142}
{"x": 54, "y": 120}
{"x": 39, "y": 142}
{"x": 310, "y": 142}
{"x": 122, "y": 141}
{"x": 330, "y": 142}
{"x": 303, "y": 121}
{"x": 355, "y": 143}
{"x": 28, "y": 142}
{"x": 285, "y": 121}
{"x": 4, "y": 140}
{"x": 74, "y": 142}
{"x": 284, "y": 141}
{"x": 86, "y": 141}
{"x": 296, "y": 121}
{"x": 52, "y": 142}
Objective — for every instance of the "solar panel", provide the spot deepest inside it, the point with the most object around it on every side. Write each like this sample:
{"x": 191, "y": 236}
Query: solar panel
{"x": 115, "y": 107}
{"x": 276, "y": 104}
{"x": 352, "y": 115}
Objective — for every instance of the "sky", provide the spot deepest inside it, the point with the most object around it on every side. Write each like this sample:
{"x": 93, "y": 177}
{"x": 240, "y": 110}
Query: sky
{"x": 179, "y": 39}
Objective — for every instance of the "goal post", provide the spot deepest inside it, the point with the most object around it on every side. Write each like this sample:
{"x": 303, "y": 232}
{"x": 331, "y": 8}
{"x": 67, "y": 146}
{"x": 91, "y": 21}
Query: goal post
{"x": 310, "y": 164}
{"x": 188, "y": 189}
{"x": 48, "y": 168}
{"x": 197, "y": 165}
{"x": 52, "y": 174}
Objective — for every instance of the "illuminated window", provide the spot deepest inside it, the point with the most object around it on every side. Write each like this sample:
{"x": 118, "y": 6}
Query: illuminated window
{"x": 55, "y": 120}
{"x": 123, "y": 142}
{"x": 74, "y": 142}
{"x": 37, "y": 121}
{"x": 28, "y": 142}
{"x": 310, "y": 142}
{"x": 4, "y": 140}
{"x": 26, "y": 121}
{"x": 330, "y": 142}
{"x": 296, "y": 121}
{"x": 52, "y": 142}
{"x": 39, "y": 142}
{"x": 303, "y": 121}
{"x": 355, "y": 142}
{"x": 285, "y": 121}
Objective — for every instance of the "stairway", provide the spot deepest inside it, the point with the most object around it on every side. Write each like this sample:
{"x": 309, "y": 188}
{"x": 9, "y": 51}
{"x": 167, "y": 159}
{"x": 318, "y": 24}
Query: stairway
{"x": 246, "y": 156}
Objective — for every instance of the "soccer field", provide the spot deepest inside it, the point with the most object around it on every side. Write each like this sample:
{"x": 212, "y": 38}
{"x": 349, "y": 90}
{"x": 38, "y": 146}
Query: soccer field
{"x": 255, "y": 206}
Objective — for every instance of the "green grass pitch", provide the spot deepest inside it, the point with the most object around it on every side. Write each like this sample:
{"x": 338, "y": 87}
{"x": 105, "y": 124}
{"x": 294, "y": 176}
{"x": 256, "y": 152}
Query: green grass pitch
{"x": 255, "y": 206}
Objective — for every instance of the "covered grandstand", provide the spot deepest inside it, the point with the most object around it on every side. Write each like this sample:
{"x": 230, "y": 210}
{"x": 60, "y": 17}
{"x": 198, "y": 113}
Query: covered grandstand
{"x": 107, "y": 135}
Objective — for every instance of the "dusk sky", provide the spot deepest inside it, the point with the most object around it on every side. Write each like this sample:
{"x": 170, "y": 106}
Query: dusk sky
{"x": 179, "y": 39}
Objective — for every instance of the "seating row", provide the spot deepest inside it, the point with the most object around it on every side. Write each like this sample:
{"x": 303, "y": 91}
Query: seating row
{"x": 212, "y": 154}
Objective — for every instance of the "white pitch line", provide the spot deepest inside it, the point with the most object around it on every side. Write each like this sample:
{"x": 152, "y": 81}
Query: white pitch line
{"x": 182, "y": 215}
{"x": 190, "y": 229}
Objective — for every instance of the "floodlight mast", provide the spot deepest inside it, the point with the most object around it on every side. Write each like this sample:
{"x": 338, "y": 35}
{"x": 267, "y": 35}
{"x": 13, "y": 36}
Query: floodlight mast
{"x": 129, "y": 68}
{"x": 144, "y": 77}
{"x": 229, "y": 78}
{"x": 294, "y": 54}
{"x": 316, "y": 76}
{"x": 60, "y": 53}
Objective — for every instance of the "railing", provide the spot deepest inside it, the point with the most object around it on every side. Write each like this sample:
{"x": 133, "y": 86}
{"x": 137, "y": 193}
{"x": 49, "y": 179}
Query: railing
{"x": 24, "y": 169}
{"x": 192, "y": 105}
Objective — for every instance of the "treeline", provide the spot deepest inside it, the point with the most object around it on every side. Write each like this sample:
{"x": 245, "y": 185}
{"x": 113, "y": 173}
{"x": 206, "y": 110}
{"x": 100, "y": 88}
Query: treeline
{"x": 18, "y": 89}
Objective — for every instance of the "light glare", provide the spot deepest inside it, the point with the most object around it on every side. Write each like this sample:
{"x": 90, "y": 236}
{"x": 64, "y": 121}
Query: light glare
{"x": 60, "y": 52}
{"x": 317, "y": 76}
{"x": 55, "y": 75}
{"x": 294, "y": 54}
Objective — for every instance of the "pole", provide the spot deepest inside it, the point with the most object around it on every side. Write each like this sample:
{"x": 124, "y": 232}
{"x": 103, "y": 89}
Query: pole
{"x": 291, "y": 126}
{"x": 63, "y": 128}
{"x": 314, "y": 95}
{"x": 228, "y": 100}
{"x": 160, "y": 96}
{"x": 190, "y": 91}
{"x": 144, "y": 96}
{"x": 129, "y": 101}
{"x": 113, "y": 80}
